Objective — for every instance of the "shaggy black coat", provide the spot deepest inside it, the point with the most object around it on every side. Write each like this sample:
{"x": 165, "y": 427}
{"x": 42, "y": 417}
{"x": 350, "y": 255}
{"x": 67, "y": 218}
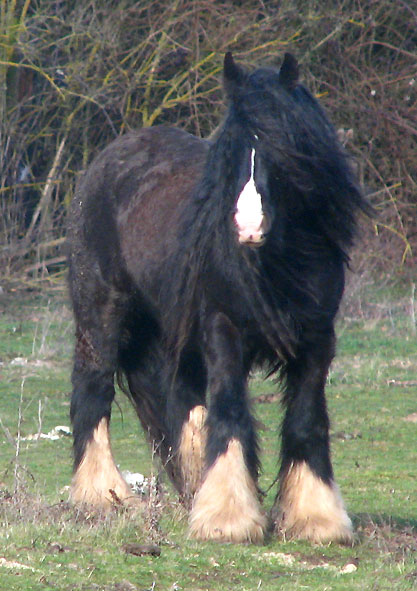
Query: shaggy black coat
{"x": 165, "y": 295}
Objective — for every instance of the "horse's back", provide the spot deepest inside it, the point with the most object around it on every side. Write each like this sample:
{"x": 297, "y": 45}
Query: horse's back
{"x": 127, "y": 208}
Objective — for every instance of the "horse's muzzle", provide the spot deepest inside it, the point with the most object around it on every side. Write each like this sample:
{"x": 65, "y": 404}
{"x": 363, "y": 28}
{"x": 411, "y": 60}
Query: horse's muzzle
{"x": 251, "y": 233}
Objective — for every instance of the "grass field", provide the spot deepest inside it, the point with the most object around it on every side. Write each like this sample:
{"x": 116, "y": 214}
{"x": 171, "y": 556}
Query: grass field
{"x": 45, "y": 543}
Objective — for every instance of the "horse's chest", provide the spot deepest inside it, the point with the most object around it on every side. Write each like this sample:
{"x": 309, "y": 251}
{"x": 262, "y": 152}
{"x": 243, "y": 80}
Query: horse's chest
{"x": 225, "y": 294}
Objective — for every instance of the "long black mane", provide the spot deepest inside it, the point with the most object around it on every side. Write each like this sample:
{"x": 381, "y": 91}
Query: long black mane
{"x": 314, "y": 193}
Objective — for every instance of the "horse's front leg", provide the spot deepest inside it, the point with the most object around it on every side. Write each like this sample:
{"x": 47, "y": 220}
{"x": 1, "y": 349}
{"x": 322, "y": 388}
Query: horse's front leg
{"x": 308, "y": 504}
{"x": 97, "y": 481}
{"x": 226, "y": 507}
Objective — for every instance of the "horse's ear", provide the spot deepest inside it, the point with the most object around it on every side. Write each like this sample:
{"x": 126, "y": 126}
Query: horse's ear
{"x": 232, "y": 74}
{"x": 288, "y": 74}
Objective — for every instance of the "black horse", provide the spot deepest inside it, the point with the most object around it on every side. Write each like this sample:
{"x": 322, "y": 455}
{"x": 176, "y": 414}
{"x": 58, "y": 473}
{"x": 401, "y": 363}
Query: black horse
{"x": 193, "y": 261}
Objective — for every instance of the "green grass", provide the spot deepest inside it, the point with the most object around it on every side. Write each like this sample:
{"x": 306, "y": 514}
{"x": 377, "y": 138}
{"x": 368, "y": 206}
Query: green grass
{"x": 47, "y": 544}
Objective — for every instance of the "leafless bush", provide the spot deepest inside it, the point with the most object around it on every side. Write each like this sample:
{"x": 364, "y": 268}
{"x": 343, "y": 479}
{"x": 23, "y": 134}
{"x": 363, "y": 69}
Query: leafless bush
{"x": 77, "y": 74}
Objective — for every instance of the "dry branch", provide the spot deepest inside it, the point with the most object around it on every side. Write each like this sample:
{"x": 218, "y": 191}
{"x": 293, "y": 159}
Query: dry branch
{"x": 43, "y": 205}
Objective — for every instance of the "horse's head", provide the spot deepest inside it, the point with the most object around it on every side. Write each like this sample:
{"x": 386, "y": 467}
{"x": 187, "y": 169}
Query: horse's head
{"x": 255, "y": 97}
{"x": 286, "y": 155}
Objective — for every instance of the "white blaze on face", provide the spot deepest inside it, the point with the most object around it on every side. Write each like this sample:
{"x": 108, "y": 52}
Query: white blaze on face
{"x": 249, "y": 214}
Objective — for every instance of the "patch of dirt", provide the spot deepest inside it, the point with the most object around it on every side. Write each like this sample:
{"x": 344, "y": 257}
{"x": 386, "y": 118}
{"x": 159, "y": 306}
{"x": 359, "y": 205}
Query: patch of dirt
{"x": 267, "y": 398}
{"x": 411, "y": 418}
{"x": 412, "y": 576}
{"x": 142, "y": 549}
{"x": 311, "y": 562}
{"x": 402, "y": 383}
{"x": 15, "y": 566}
{"x": 32, "y": 363}
{"x": 57, "y": 548}
{"x": 25, "y": 507}
{"x": 345, "y": 436}
{"x": 121, "y": 586}
{"x": 391, "y": 538}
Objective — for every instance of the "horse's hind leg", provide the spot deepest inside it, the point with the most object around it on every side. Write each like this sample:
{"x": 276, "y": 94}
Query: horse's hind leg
{"x": 96, "y": 480}
{"x": 186, "y": 415}
{"x": 308, "y": 504}
{"x": 170, "y": 404}
{"x": 226, "y": 507}
{"x": 191, "y": 450}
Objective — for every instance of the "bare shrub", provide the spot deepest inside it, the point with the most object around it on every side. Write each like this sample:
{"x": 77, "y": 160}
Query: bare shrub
{"x": 78, "y": 74}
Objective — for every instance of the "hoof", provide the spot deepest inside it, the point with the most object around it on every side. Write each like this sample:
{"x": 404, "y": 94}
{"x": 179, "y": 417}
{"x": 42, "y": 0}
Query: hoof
{"x": 226, "y": 507}
{"x": 97, "y": 481}
{"x": 311, "y": 509}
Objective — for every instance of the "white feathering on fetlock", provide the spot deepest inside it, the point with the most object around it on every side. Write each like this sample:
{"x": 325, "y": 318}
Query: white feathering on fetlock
{"x": 191, "y": 449}
{"x": 226, "y": 508}
{"x": 311, "y": 509}
{"x": 97, "y": 482}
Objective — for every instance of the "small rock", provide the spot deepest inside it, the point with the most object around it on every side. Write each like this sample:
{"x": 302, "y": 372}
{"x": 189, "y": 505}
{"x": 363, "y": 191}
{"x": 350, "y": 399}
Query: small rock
{"x": 19, "y": 361}
{"x": 61, "y": 430}
{"x": 348, "y": 568}
{"x": 138, "y": 482}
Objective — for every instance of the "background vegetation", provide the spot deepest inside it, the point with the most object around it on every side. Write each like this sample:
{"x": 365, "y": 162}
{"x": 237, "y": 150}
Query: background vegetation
{"x": 75, "y": 74}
